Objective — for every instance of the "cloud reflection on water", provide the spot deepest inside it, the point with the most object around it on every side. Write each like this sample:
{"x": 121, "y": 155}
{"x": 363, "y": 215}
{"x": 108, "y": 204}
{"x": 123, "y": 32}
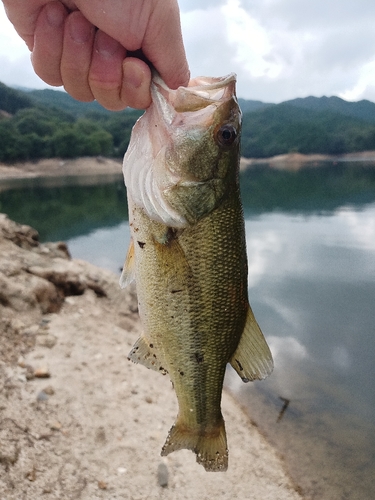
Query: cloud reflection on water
{"x": 312, "y": 289}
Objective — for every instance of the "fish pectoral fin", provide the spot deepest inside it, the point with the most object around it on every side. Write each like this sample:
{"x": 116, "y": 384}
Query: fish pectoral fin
{"x": 210, "y": 446}
{"x": 144, "y": 353}
{"x": 252, "y": 359}
{"x": 128, "y": 271}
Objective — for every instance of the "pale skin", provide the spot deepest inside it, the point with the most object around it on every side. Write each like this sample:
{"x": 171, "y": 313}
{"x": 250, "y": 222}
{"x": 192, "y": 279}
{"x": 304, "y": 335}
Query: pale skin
{"x": 84, "y": 45}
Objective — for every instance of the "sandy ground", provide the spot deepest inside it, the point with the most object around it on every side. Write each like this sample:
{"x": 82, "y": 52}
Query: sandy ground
{"x": 77, "y": 419}
{"x": 99, "y": 433}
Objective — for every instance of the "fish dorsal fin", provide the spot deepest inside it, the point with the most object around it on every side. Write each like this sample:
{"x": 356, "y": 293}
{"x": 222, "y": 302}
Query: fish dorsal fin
{"x": 252, "y": 359}
{"x": 128, "y": 271}
{"x": 145, "y": 353}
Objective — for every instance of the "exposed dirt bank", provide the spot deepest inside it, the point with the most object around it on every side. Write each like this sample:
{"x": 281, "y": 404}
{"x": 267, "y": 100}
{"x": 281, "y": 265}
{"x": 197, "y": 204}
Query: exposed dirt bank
{"x": 296, "y": 161}
{"x": 79, "y": 421}
{"x": 99, "y": 166}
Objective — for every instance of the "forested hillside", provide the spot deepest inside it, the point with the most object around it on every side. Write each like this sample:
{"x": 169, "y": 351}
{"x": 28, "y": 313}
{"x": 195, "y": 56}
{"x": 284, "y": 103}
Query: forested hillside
{"x": 48, "y": 123}
{"x": 286, "y": 128}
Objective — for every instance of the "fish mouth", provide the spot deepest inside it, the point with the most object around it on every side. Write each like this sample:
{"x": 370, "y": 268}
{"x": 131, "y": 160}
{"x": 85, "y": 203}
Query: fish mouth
{"x": 199, "y": 94}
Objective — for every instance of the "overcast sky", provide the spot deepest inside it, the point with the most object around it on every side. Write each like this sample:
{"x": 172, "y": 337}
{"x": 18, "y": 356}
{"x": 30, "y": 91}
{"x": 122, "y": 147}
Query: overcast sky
{"x": 280, "y": 49}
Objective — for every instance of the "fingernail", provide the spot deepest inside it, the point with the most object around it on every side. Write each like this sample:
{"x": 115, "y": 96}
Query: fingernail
{"x": 105, "y": 45}
{"x": 55, "y": 15}
{"x": 80, "y": 29}
{"x": 133, "y": 76}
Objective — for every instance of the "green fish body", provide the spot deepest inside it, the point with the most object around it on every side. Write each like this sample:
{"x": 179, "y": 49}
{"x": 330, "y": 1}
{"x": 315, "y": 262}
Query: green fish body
{"x": 188, "y": 257}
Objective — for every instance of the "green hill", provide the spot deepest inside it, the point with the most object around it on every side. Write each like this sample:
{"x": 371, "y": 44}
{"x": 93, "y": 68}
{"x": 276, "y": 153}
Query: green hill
{"x": 44, "y": 123}
{"x": 12, "y": 100}
{"x": 286, "y": 128}
{"x": 249, "y": 106}
{"x": 364, "y": 110}
{"x": 59, "y": 99}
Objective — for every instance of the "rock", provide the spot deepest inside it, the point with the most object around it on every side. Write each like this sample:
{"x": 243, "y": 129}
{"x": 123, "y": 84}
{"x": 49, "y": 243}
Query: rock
{"x": 49, "y": 390}
{"x": 31, "y": 475}
{"x": 9, "y": 453}
{"x": 102, "y": 485}
{"x": 42, "y": 372}
{"x": 46, "y": 341}
{"x": 35, "y": 278}
{"x": 162, "y": 475}
{"x": 55, "y": 426}
{"x": 29, "y": 372}
{"x": 42, "y": 396}
{"x": 23, "y": 236}
{"x": 21, "y": 362}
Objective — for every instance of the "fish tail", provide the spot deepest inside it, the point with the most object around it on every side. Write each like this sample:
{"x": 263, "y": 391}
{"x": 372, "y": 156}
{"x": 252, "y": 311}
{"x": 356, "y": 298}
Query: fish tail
{"x": 210, "y": 445}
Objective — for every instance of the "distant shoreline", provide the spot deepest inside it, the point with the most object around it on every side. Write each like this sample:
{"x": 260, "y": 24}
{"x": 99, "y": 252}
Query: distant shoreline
{"x": 296, "y": 161}
{"x": 57, "y": 167}
{"x": 100, "y": 166}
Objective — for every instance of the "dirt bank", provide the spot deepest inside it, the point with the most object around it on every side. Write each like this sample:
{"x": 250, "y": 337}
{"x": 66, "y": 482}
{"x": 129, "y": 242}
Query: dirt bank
{"x": 79, "y": 421}
{"x": 297, "y": 161}
{"x": 99, "y": 166}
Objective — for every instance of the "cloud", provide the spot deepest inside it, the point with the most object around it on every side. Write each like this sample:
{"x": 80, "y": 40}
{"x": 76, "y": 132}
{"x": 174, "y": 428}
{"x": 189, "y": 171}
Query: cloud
{"x": 189, "y": 5}
{"x": 15, "y": 64}
{"x": 19, "y": 72}
{"x": 280, "y": 49}
{"x": 284, "y": 49}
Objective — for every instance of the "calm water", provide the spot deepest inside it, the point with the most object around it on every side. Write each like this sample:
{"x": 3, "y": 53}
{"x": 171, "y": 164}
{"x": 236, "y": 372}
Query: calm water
{"x": 311, "y": 249}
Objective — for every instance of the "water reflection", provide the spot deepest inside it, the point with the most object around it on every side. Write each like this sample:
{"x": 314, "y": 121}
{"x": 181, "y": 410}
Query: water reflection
{"x": 311, "y": 249}
{"x": 312, "y": 288}
{"x": 316, "y": 284}
{"x": 94, "y": 247}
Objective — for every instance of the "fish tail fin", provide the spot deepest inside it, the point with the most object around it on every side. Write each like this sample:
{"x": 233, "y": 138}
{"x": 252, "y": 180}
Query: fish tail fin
{"x": 209, "y": 445}
{"x": 252, "y": 358}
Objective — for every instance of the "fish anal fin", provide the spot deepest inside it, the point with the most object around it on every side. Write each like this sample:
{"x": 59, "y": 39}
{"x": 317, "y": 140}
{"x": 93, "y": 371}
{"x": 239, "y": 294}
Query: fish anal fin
{"x": 209, "y": 445}
{"x": 252, "y": 359}
{"x": 144, "y": 353}
{"x": 128, "y": 272}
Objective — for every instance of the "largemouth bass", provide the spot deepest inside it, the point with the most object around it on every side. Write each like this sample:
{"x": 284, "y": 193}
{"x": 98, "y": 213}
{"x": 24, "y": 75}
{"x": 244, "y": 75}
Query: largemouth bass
{"x": 188, "y": 256}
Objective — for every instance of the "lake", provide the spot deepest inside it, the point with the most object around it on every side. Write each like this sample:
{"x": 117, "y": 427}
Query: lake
{"x": 311, "y": 251}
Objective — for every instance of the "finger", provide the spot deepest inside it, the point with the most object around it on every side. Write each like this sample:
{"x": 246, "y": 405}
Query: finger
{"x": 48, "y": 43}
{"x": 105, "y": 75}
{"x": 136, "y": 81}
{"x": 79, "y": 37}
{"x": 164, "y": 48}
{"x": 24, "y": 15}
{"x": 150, "y": 25}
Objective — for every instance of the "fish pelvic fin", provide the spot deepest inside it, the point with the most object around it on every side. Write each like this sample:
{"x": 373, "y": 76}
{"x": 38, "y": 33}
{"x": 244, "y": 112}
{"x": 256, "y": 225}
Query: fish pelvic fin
{"x": 144, "y": 353}
{"x": 128, "y": 271}
{"x": 209, "y": 445}
{"x": 252, "y": 359}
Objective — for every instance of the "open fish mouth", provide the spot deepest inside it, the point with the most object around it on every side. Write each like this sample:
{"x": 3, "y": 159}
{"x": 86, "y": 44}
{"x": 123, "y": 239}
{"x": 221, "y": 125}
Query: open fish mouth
{"x": 200, "y": 93}
{"x": 175, "y": 150}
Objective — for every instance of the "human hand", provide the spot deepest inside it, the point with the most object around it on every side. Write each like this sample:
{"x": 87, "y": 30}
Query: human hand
{"x": 87, "y": 45}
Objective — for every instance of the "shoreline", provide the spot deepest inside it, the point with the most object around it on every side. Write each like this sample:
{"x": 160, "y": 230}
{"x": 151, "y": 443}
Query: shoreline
{"x": 96, "y": 167}
{"x": 79, "y": 420}
{"x": 297, "y": 161}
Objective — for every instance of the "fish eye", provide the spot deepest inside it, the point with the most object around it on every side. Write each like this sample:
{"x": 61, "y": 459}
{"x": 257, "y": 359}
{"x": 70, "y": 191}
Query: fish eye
{"x": 226, "y": 135}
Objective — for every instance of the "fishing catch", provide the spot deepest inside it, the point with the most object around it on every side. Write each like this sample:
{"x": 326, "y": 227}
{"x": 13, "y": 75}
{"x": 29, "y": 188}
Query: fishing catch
{"x": 188, "y": 256}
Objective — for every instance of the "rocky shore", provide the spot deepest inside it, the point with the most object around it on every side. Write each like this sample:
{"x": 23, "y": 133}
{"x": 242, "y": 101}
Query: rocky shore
{"x": 77, "y": 419}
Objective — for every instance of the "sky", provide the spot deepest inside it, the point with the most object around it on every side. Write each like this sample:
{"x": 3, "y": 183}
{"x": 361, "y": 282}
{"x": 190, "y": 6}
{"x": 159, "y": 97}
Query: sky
{"x": 280, "y": 49}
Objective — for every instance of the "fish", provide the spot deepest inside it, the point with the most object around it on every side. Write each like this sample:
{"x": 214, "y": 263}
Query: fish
{"x": 188, "y": 256}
